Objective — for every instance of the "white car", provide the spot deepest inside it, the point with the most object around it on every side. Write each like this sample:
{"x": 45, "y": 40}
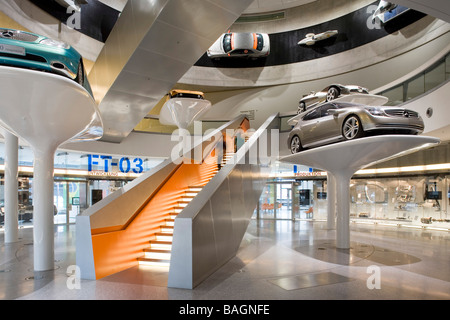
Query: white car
{"x": 329, "y": 93}
{"x": 311, "y": 38}
{"x": 383, "y": 7}
{"x": 235, "y": 44}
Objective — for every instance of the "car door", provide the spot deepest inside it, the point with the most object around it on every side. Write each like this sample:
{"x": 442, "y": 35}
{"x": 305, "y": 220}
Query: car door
{"x": 327, "y": 124}
{"x": 308, "y": 127}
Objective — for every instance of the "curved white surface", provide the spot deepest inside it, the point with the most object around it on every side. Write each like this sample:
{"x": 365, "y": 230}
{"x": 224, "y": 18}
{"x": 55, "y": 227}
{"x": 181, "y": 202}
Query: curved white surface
{"x": 342, "y": 160}
{"x": 182, "y": 112}
{"x": 45, "y": 110}
{"x": 351, "y": 156}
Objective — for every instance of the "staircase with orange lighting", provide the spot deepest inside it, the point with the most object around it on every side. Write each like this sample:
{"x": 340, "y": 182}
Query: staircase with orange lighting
{"x": 159, "y": 249}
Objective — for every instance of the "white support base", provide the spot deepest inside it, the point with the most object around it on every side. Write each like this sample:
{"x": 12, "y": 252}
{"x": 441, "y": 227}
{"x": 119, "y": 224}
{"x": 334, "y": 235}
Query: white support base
{"x": 45, "y": 110}
{"x": 342, "y": 160}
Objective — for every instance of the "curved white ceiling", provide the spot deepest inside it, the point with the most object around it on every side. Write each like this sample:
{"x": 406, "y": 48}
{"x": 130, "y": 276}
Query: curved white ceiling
{"x": 259, "y": 6}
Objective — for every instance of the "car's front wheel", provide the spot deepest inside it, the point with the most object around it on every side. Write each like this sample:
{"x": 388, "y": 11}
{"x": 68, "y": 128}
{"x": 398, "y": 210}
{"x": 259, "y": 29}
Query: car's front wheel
{"x": 296, "y": 145}
{"x": 352, "y": 128}
{"x": 332, "y": 94}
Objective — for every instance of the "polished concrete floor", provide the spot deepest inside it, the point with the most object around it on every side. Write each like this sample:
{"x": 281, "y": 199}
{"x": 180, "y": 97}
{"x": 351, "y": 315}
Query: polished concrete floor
{"x": 277, "y": 260}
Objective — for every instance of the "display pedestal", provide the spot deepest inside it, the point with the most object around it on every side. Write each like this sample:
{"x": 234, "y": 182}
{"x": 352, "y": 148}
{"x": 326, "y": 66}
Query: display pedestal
{"x": 45, "y": 110}
{"x": 182, "y": 112}
{"x": 342, "y": 160}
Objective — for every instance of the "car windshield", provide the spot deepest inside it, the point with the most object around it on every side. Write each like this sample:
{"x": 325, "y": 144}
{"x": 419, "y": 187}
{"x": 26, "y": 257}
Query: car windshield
{"x": 227, "y": 42}
{"x": 260, "y": 42}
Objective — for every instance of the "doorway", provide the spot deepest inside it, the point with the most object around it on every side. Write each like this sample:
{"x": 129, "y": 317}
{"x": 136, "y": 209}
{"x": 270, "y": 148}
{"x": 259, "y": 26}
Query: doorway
{"x": 70, "y": 199}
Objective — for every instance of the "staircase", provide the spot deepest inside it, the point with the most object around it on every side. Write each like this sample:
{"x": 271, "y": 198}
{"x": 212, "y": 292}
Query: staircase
{"x": 159, "y": 250}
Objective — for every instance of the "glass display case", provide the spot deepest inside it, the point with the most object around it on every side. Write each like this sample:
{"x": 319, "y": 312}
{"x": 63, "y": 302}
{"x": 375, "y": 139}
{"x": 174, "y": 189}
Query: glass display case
{"x": 416, "y": 200}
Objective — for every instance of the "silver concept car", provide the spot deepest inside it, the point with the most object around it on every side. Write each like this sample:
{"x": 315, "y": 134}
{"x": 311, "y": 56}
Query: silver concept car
{"x": 336, "y": 121}
{"x": 329, "y": 93}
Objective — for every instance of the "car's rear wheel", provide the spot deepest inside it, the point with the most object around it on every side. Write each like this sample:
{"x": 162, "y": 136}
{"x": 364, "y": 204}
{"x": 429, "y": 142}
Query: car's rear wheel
{"x": 296, "y": 145}
{"x": 352, "y": 128}
{"x": 332, "y": 94}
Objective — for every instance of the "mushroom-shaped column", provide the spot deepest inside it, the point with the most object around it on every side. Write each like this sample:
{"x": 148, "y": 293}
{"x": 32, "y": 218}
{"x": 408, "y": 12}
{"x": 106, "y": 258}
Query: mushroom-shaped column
{"x": 45, "y": 110}
{"x": 182, "y": 112}
{"x": 342, "y": 160}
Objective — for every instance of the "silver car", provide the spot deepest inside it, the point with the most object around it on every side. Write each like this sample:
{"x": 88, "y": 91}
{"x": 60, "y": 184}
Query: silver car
{"x": 328, "y": 94}
{"x": 337, "y": 121}
{"x": 240, "y": 44}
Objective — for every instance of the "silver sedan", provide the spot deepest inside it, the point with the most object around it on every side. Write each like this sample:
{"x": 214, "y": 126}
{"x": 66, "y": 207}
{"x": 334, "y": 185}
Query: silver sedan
{"x": 337, "y": 121}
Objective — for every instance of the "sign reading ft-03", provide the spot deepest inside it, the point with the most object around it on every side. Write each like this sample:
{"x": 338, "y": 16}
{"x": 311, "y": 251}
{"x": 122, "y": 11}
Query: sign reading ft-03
{"x": 124, "y": 164}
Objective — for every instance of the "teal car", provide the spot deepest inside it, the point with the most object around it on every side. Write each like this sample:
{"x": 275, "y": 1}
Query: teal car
{"x": 23, "y": 49}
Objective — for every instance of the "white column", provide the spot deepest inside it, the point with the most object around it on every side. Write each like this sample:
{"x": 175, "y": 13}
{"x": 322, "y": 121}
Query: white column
{"x": 11, "y": 188}
{"x": 331, "y": 202}
{"x": 343, "y": 211}
{"x": 43, "y": 235}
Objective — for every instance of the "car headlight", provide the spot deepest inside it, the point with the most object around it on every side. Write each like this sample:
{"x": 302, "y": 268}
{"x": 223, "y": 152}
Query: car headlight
{"x": 55, "y": 43}
{"x": 376, "y": 111}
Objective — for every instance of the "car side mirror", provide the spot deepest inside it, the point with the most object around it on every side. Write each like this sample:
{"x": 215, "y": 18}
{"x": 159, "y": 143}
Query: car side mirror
{"x": 334, "y": 112}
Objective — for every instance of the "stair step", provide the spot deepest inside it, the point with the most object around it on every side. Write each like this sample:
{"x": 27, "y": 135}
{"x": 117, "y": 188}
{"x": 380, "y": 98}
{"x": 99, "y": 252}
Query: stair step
{"x": 195, "y": 188}
{"x": 157, "y": 254}
{"x": 190, "y": 194}
{"x": 164, "y": 236}
{"x": 159, "y": 244}
{"x": 167, "y": 228}
{"x": 154, "y": 262}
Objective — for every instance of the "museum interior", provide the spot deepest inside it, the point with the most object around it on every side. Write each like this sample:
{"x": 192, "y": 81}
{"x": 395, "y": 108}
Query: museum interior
{"x": 224, "y": 150}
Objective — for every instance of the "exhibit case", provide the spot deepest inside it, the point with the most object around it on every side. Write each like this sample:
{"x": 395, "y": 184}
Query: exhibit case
{"x": 415, "y": 200}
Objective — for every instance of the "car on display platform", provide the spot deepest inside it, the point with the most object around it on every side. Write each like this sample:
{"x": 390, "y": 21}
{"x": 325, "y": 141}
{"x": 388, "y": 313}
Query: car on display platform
{"x": 23, "y": 49}
{"x": 240, "y": 44}
{"x": 311, "y": 38}
{"x": 339, "y": 121}
{"x": 328, "y": 94}
{"x": 181, "y": 93}
{"x": 382, "y": 8}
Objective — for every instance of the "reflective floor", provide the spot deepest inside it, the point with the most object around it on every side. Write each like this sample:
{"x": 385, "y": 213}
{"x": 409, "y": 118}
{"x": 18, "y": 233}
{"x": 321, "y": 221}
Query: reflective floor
{"x": 277, "y": 260}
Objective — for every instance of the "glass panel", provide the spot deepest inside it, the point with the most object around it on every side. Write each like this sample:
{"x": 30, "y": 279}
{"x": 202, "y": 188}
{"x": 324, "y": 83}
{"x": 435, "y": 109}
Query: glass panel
{"x": 267, "y": 202}
{"x": 284, "y": 126}
{"x": 303, "y": 200}
{"x": 415, "y": 87}
{"x": 447, "y": 67}
{"x": 284, "y": 201}
{"x": 60, "y": 202}
{"x": 435, "y": 77}
{"x": 99, "y": 189}
{"x": 77, "y": 199}
{"x": 260, "y": 17}
{"x": 395, "y": 95}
